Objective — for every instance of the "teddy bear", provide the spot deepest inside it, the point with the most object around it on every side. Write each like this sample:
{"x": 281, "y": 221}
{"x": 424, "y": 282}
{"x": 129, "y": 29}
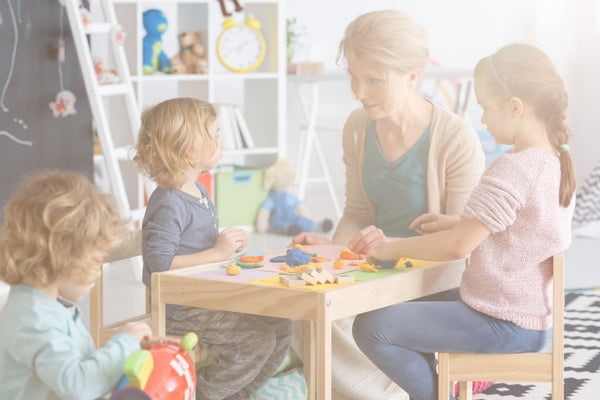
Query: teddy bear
{"x": 191, "y": 58}
{"x": 154, "y": 58}
{"x": 282, "y": 212}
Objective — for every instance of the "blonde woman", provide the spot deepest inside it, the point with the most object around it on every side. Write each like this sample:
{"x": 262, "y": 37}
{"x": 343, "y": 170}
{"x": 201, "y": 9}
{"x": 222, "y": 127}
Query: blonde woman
{"x": 404, "y": 157}
{"x": 178, "y": 140}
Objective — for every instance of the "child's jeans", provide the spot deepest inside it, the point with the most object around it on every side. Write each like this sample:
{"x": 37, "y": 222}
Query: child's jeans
{"x": 250, "y": 349}
{"x": 402, "y": 339}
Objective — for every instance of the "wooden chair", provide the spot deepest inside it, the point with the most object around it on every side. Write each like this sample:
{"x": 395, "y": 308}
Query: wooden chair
{"x": 518, "y": 367}
{"x": 100, "y": 332}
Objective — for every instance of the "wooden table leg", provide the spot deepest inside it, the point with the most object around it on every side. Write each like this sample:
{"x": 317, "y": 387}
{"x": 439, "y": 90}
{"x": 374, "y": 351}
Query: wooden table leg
{"x": 323, "y": 367}
{"x": 158, "y": 309}
{"x": 309, "y": 356}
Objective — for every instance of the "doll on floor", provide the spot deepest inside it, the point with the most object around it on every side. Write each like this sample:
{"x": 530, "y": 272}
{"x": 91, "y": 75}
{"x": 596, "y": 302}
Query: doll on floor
{"x": 283, "y": 212}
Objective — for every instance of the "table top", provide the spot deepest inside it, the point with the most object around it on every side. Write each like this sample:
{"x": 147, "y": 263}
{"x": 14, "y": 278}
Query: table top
{"x": 209, "y": 287}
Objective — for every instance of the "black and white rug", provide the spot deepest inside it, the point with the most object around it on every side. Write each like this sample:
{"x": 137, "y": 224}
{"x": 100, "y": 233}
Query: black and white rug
{"x": 582, "y": 355}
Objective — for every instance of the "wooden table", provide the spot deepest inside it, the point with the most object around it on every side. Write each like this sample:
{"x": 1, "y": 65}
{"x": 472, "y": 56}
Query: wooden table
{"x": 317, "y": 308}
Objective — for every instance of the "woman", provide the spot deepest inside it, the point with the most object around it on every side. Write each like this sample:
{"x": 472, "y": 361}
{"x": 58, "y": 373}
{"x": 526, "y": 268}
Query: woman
{"x": 404, "y": 157}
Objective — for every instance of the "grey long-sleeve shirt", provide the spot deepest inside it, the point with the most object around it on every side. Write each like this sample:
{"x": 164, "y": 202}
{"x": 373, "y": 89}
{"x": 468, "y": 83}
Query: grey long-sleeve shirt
{"x": 176, "y": 223}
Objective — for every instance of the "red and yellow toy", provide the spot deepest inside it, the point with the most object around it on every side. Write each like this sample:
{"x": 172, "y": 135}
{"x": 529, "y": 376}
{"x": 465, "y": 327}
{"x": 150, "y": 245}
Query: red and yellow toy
{"x": 160, "y": 372}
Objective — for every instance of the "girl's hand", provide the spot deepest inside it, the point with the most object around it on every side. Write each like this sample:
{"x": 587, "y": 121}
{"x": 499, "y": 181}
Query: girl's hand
{"x": 310, "y": 238}
{"x": 367, "y": 239}
{"x": 140, "y": 330}
{"x": 231, "y": 240}
{"x": 432, "y": 222}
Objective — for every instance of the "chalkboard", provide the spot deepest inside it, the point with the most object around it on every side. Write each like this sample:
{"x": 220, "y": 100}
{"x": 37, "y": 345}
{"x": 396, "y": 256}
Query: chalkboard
{"x": 29, "y": 37}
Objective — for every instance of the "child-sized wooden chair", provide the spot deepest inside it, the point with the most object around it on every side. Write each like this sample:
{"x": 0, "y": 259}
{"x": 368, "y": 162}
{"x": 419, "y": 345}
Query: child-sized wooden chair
{"x": 131, "y": 248}
{"x": 518, "y": 367}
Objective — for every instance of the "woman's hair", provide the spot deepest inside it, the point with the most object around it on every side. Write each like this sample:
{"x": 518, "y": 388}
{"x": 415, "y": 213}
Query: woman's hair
{"x": 174, "y": 136}
{"x": 387, "y": 38}
{"x": 524, "y": 71}
{"x": 57, "y": 225}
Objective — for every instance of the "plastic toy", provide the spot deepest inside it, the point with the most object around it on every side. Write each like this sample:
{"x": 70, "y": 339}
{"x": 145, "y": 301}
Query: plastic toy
{"x": 191, "y": 58}
{"x": 160, "y": 372}
{"x": 283, "y": 212}
{"x": 154, "y": 58}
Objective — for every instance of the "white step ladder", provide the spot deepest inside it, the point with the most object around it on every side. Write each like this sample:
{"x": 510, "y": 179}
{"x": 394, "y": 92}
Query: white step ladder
{"x": 96, "y": 95}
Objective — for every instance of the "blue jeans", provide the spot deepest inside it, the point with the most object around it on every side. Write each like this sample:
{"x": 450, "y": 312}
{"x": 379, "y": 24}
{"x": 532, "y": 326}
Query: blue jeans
{"x": 402, "y": 339}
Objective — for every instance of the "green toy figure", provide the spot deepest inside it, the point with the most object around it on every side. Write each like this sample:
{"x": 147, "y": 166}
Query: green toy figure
{"x": 154, "y": 58}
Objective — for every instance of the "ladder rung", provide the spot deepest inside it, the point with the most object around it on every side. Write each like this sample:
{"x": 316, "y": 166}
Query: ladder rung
{"x": 138, "y": 214}
{"x": 125, "y": 153}
{"x": 113, "y": 89}
{"x": 98, "y": 27}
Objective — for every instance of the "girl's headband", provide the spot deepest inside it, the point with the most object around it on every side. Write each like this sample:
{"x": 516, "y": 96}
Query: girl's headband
{"x": 499, "y": 78}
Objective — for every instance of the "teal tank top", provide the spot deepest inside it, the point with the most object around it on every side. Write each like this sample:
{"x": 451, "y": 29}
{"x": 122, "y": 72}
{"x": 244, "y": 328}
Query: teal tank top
{"x": 397, "y": 189}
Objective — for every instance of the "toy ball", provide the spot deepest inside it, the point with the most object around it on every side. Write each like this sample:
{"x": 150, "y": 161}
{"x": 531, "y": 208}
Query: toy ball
{"x": 160, "y": 372}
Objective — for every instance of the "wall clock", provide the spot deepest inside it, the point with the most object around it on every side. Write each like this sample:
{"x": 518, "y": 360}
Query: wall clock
{"x": 241, "y": 46}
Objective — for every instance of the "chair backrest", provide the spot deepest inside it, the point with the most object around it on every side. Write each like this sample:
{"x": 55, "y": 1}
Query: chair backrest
{"x": 131, "y": 248}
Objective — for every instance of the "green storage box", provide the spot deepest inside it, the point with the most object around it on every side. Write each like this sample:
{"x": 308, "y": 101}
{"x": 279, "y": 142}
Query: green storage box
{"x": 239, "y": 194}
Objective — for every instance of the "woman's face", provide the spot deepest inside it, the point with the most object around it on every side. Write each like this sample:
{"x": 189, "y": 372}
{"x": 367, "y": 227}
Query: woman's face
{"x": 381, "y": 91}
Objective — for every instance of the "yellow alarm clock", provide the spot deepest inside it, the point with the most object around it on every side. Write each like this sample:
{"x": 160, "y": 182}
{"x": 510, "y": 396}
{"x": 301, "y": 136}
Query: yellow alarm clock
{"x": 241, "y": 46}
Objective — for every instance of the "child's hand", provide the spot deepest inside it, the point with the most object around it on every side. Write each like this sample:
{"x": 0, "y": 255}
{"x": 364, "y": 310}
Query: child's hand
{"x": 310, "y": 238}
{"x": 159, "y": 340}
{"x": 231, "y": 240}
{"x": 140, "y": 330}
{"x": 432, "y": 222}
{"x": 366, "y": 239}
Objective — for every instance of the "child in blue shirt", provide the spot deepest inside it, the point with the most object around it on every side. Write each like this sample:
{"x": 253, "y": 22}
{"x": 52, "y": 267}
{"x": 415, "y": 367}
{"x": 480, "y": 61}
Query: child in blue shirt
{"x": 58, "y": 228}
{"x": 179, "y": 140}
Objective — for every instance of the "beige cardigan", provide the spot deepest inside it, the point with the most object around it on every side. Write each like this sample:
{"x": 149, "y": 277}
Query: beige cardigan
{"x": 455, "y": 164}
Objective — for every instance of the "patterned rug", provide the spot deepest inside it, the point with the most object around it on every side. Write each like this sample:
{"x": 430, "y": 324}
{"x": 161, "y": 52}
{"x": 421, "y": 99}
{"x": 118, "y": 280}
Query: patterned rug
{"x": 582, "y": 355}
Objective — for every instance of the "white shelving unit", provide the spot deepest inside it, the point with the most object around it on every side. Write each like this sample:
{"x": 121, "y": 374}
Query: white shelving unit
{"x": 260, "y": 94}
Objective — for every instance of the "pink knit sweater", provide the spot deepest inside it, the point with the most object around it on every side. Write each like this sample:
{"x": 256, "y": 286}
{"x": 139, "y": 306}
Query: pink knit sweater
{"x": 510, "y": 274}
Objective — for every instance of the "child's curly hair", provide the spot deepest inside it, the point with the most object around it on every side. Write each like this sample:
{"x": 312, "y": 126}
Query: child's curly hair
{"x": 57, "y": 225}
{"x": 173, "y": 136}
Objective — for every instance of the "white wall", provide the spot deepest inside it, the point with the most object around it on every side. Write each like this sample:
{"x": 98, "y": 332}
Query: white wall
{"x": 460, "y": 33}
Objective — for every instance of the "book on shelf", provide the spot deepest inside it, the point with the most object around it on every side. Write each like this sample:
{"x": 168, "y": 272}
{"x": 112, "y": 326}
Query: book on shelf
{"x": 243, "y": 128}
{"x": 234, "y": 129}
{"x": 226, "y": 126}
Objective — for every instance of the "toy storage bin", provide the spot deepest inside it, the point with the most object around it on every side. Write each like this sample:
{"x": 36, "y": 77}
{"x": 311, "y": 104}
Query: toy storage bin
{"x": 206, "y": 179}
{"x": 239, "y": 194}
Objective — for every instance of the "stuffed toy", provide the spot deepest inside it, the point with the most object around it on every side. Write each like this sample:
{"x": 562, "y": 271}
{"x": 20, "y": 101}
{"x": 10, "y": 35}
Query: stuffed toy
{"x": 226, "y": 13}
{"x": 154, "y": 58}
{"x": 191, "y": 58}
{"x": 283, "y": 212}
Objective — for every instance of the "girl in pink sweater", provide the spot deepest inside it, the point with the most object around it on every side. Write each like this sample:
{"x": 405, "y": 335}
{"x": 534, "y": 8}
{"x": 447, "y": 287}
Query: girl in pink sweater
{"x": 516, "y": 219}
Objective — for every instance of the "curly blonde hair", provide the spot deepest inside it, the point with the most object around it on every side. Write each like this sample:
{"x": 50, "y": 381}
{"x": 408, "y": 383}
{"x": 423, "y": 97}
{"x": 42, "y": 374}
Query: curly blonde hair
{"x": 174, "y": 135}
{"x": 57, "y": 225}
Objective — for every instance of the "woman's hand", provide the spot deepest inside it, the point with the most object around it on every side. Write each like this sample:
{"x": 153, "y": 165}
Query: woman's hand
{"x": 310, "y": 238}
{"x": 231, "y": 240}
{"x": 367, "y": 239}
{"x": 432, "y": 222}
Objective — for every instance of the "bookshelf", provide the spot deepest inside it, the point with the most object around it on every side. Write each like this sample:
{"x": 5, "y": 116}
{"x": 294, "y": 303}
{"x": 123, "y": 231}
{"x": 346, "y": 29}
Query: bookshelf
{"x": 260, "y": 95}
